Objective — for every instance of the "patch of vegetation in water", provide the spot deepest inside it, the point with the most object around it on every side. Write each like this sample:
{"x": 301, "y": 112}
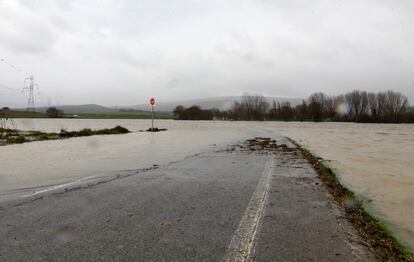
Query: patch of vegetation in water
{"x": 156, "y": 129}
{"x": 18, "y": 139}
{"x": 10, "y": 136}
{"x": 375, "y": 233}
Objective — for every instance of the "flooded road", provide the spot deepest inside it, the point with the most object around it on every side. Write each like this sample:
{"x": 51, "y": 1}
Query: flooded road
{"x": 36, "y": 164}
{"x": 375, "y": 161}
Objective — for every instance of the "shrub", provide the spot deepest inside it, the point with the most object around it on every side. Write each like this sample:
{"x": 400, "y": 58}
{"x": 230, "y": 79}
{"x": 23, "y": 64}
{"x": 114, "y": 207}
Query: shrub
{"x": 120, "y": 130}
{"x": 43, "y": 137}
{"x": 85, "y": 132}
{"x": 16, "y": 139}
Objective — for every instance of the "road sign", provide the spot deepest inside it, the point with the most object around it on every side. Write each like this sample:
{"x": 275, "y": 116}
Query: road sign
{"x": 152, "y": 102}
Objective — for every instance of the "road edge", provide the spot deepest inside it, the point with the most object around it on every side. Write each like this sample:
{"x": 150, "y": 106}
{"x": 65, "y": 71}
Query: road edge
{"x": 379, "y": 238}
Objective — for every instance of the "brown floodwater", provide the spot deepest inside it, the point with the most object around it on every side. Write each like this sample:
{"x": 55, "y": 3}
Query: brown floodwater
{"x": 376, "y": 161}
{"x": 41, "y": 163}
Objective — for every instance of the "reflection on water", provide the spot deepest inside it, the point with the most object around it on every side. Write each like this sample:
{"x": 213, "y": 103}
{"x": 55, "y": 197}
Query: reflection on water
{"x": 374, "y": 160}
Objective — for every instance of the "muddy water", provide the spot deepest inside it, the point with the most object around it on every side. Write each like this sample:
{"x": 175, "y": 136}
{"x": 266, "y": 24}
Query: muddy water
{"x": 375, "y": 161}
{"x": 43, "y": 163}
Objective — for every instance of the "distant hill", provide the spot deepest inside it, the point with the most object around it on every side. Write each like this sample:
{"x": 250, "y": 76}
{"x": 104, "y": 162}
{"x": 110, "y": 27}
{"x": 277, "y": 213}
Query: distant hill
{"x": 222, "y": 103}
{"x": 79, "y": 109}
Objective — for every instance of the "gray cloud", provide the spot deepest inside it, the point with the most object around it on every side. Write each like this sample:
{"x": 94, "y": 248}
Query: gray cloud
{"x": 122, "y": 52}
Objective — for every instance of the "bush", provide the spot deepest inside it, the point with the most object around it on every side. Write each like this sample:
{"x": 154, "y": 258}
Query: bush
{"x": 120, "y": 130}
{"x": 105, "y": 131}
{"x": 111, "y": 131}
{"x": 53, "y": 112}
{"x": 16, "y": 139}
{"x": 85, "y": 132}
{"x": 43, "y": 137}
{"x": 63, "y": 133}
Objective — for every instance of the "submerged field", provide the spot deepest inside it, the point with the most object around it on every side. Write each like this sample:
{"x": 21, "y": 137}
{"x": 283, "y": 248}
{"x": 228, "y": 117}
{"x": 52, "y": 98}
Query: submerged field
{"x": 375, "y": 161}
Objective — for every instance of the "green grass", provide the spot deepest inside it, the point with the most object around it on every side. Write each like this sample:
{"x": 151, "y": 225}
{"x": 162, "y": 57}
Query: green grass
{"x": 21, "y": 114}
{"x": 385, "y": 246}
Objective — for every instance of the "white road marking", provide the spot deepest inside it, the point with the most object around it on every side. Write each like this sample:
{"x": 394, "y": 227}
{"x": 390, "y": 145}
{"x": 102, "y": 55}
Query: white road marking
{"x": 51, "y": 188}
{"x": 240, "y": 247}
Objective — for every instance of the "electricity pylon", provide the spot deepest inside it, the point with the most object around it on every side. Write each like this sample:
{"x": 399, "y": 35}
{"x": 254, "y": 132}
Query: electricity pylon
{"x": 31, "y": 100}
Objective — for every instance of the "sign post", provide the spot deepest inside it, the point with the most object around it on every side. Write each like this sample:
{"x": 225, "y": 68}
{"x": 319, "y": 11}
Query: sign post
{"x": 152, "y": 103}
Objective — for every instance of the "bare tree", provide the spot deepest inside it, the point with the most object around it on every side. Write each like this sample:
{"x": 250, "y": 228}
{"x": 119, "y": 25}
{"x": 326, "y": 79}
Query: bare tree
{"x": 317, "y": 106}
{"x": 364, "y": 102}
{"x": 302, "y": 111}
{"x": 381, "y": 104}
{"x": 372, "y": 104}
{"x": 236, "y": 111}
{"x": 357, "y": 102}
{"x": 286, "y": 111}
{"x": 273, "y": 112}
{"x": 395, "y": 104}
{"x": 179, "y": 111}
{"x": 254, "y": 107}
{"x": 53, "y": 112}
{"x": 330, "y": 104}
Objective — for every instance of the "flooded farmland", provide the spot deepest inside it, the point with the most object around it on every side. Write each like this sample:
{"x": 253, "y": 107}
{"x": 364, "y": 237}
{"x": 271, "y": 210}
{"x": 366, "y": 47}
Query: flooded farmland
{"x": 374, "y": 160}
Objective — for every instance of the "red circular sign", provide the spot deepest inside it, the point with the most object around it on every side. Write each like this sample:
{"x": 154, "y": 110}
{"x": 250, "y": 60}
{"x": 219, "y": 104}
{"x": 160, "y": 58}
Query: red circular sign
{"x": 152, "y": 101}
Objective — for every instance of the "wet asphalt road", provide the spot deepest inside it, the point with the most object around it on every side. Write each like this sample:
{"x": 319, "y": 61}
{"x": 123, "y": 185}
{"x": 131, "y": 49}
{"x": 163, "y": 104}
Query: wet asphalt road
{"x": 185, "y": 211}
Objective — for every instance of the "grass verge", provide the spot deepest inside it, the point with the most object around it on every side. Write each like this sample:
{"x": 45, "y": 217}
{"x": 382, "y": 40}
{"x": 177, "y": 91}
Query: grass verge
{"x": 381, "y": 241}
{"x": 21, "y": 114}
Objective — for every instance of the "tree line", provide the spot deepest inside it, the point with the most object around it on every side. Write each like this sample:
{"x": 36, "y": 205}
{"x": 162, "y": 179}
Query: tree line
{"x": 355, "y": 106}
{"x": 53, "y": 112}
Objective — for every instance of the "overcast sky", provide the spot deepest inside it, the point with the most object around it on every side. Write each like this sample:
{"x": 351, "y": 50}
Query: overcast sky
{"x": 124, "y": 52}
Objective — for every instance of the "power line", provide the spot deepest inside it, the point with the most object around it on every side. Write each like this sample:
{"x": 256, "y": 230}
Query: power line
{"x": 31, "y": 85}
{"x": 9, "y": 88}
